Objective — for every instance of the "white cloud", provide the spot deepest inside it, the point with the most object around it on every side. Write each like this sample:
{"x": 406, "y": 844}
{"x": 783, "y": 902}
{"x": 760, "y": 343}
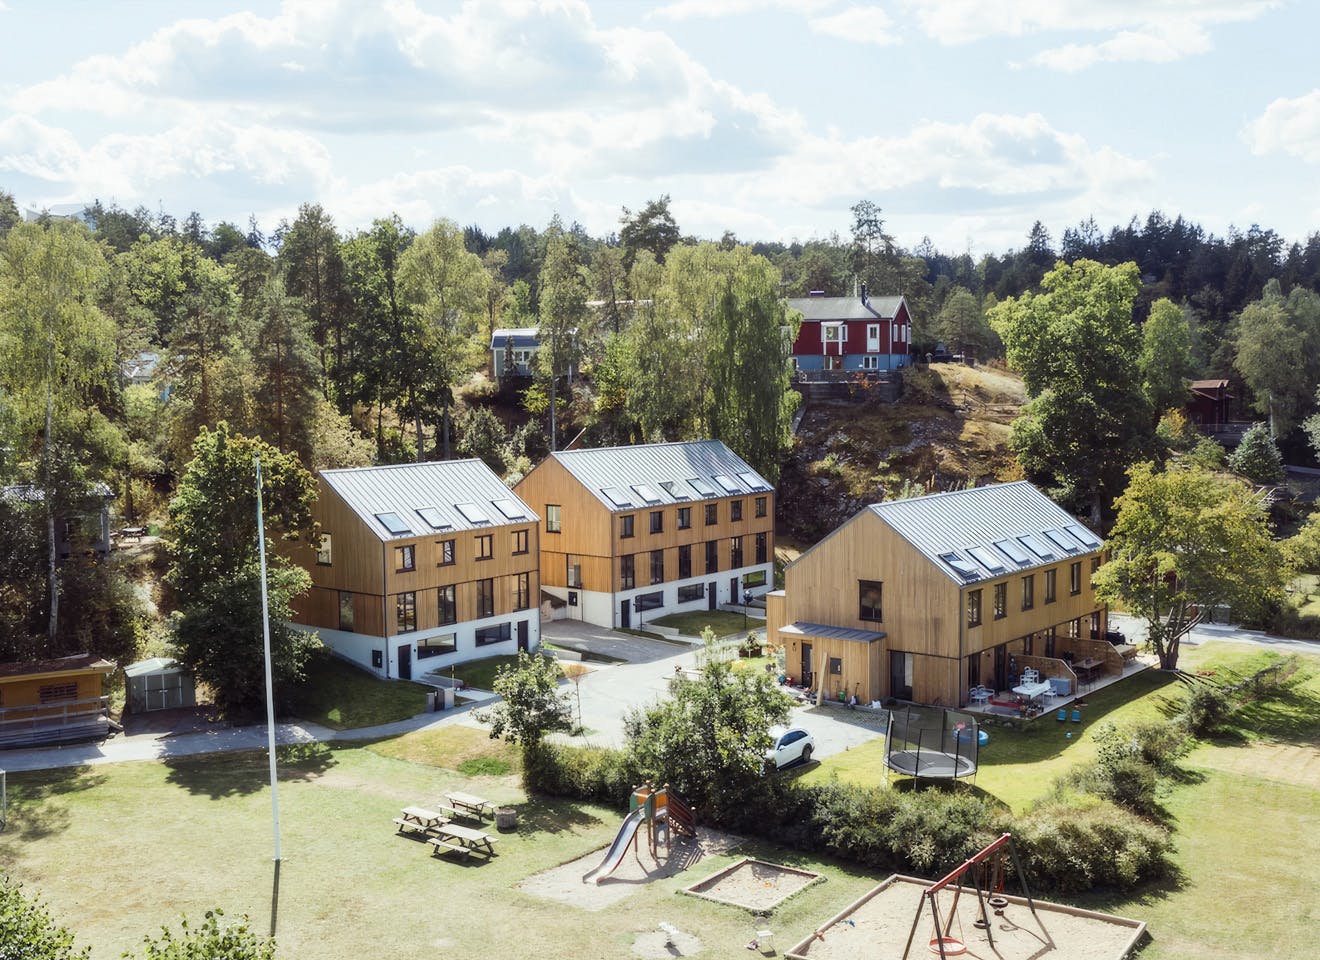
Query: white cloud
{"x": 1288, "y": 125}
{"x": 1140, "y": 30}
{"x": 713, "y": 9}
{"x": 862, "y": 24}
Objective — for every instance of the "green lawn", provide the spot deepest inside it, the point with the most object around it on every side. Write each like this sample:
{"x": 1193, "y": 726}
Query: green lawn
{"x": 721, "y": 621}
{"x": 339, "y": 695}
{"x": 481, "y": 673}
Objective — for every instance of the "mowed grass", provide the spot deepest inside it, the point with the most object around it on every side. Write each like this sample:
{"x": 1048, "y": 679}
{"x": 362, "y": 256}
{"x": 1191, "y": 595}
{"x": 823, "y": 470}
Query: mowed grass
{"x": 116, "y": 851}
{"x": 341, "y": 696}
{"x": 721, "y": 621}
{"x": 480, "y": 673}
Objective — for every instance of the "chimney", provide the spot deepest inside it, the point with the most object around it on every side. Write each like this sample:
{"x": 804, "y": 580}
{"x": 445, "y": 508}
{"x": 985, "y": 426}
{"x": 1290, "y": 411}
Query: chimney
{"x": 863, "y": 291}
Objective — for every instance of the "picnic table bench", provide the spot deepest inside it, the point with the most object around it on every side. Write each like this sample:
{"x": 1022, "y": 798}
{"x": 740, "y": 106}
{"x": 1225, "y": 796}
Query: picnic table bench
{"x": 444, "y": 846}
{"x": 467, "y": 837}
{"x": 467, "y": 803}
{"x": 419, "y": 818}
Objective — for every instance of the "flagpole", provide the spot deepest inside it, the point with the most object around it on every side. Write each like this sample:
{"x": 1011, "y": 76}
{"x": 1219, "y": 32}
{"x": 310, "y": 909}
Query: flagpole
{"x": 270, "y": 691}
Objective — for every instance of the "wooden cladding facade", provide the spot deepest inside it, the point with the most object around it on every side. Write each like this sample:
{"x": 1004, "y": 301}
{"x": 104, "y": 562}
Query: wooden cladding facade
{"x": 593, "y": 534}
{"x": 923, "y": 612}
{"x": 372, "y": 571}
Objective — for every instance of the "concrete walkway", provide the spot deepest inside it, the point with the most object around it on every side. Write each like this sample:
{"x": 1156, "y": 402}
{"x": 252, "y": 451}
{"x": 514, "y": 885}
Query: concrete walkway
{"x": 1135, "y": 631}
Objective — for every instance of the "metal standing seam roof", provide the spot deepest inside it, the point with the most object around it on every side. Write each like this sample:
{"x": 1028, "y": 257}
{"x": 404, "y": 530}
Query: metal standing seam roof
{"x": 944, "y": 524}
{"x": 823, "y": 631}
{"x": 403, "y": 489}
{"x": 653, "y": 465}
{"x": 521, "y": 337}
{"x": 845, "y": 308}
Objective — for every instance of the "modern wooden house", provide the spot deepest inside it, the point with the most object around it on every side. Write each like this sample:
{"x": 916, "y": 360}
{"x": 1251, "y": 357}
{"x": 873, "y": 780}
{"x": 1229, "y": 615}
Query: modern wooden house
{"x": 420, "y": 566}
{"x": 633, "y": 533}
{"x": 512, "y": 351}
{"x": 54, "y": 701}
{"x": 925, "y": 598}
{"x": 851, "y": 334}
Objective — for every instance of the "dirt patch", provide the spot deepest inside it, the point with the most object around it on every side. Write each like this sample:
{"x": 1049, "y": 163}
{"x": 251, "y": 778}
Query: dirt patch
{"x": 878, "y": 925}
{"x": 753, "y": 885}
{"x": 663, "y": 943}
{"x": 564, "y": 883}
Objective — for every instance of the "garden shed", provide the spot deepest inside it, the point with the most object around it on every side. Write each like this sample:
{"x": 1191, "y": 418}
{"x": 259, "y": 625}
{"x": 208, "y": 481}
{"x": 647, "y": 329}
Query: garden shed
{"x": 160, "y": 683}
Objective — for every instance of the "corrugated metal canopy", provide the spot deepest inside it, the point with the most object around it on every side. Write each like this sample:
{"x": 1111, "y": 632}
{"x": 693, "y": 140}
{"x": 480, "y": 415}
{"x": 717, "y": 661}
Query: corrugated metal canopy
{"x": 823, "y": 631}
{"x": 666, "y": 470}
{"x": 845, "y": 308}
{"x": 422, "y": 495}
{"x": 981, "y": 534}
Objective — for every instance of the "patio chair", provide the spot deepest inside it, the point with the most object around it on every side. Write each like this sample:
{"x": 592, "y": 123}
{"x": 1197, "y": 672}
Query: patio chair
{"x": 1076, "y": 716}
{"x": 1063, "y": 715}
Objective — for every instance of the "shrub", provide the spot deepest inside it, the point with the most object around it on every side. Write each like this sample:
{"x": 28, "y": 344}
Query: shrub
{"x": 209, "y": 941}
{"x": 1076, "y": 842}
{"x": 27, "y": 927}
{"x": 587, "y": 773}
{"x": 1206, "y": 708}
{"x": 1159, "y": 743}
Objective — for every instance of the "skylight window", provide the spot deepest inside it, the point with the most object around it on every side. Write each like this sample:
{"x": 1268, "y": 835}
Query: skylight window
{"x": 392, "y": 523}
{"x": 511, "y": 509}
{"x": 1085, "y": 536}
{"x": 987, "y": 559}
{"x": 618, "y": 496}
{"x": 1062, "y": 540}
{"x": 703, "y": 487}
{"x": 1014, "y": 552}
{"x": 672, "y": 488}
{"x": 728, "y": 483}
{"x": 1037, "y": 546}
{"x": 472, "y": 512}
{"x": 433, "y": 518}
{"x": 753, "y": 481}
{"x": 960, "y": 566}
{"x": 646, "y": 492}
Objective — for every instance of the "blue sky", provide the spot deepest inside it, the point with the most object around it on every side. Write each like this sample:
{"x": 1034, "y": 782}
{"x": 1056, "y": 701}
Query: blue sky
{"x": 965, "y": 120}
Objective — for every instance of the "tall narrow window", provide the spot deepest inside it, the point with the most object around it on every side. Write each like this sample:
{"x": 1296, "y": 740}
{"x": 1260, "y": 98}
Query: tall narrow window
{"x": 446, "y": 552}
{"x": 486, "y": 598}
{"x": 448, "y": 605}
{"x": 870, "y": 593}
{"x": 712, "y": 514}
{"x": 760, "y": 506}
{"x": 405, "y": 612}
{"x": 1075, "y": 577}
{"x": 657, "y": 521}
{"x": 1001, "y": 601}
{"x": 574, "y": 571}
{"x": 735, "y": 509}
{"x": 627, "y": 572}
{"x": 522, "y": 591}
{"x": 325, "y": 551}
{"x": 552, "y": 518}
{"x": 735, "y": 553}
{"x": 1028, "y": 591}
{"x": 974, "y": 609}
{"x": 657, "y": 566}
{"x": 1051, "y": 585}
{"x": 684, "y": 518}
{"x": 485, "y": 546}
{"x": 712, "y": 556}
{"x": 626, "y": 526}
{"x": 519, "y": 542}
{"x": 762, "y": 548}
{"x": 405, "y": 558}
{"x": 685, "y": 561}
{"x": 345, "y": 611}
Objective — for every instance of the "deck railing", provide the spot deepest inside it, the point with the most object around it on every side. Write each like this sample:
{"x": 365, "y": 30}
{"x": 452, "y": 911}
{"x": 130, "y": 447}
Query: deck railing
{"x": 46, "y": 721}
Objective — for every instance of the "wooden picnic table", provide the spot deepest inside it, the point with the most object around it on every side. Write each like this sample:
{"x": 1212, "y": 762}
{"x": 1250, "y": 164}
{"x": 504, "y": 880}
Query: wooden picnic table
{"x": 419, "y": 818}
{"x": 137, "y": 533}
{"x": 1086, "y": 669}
{"x": 472, "y": 839}
{"x": 468, "y": 803}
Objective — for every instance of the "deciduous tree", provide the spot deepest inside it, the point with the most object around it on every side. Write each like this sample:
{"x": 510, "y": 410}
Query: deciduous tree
{"x": 1165, "y": 361}
{"x": 1186, "y": 541}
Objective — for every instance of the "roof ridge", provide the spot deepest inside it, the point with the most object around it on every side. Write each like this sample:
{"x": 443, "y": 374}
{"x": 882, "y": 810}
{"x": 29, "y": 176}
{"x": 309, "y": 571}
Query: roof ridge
{"x": 953, "y": 493}
{"x": 392, "y": 466}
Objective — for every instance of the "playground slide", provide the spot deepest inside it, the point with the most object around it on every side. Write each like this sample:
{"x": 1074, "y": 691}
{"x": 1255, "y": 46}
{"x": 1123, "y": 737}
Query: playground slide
{"x": 615, "y": 855}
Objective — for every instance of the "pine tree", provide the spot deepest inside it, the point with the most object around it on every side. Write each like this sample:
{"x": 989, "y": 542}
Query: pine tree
{"x": 1257, "y": 458}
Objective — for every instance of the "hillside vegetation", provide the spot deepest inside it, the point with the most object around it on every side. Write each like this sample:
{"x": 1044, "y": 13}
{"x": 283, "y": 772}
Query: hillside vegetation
{"x": 950, "y": 428}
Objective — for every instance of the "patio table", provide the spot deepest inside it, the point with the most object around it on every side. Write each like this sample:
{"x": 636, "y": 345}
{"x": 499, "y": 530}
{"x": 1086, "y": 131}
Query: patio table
{"x": 472, "y": 839}
{"x": 468, "y": 802}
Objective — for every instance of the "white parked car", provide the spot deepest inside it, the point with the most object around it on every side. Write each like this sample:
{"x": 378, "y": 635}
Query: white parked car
{"x": 790, "y": 744}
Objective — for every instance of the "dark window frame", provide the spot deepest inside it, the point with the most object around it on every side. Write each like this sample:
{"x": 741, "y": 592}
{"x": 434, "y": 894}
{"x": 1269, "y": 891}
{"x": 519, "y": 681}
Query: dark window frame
{"x": 735, "y": 552}
{"x": 762, "y": 548}
{"x": 685, "y": 561}
{"x": 485, "y": 546}
{"x": 1029, "y": 592}
{"x": 1001, "y": 600}
{"x": 1051, "y": 585}
{"x": 627, "y": 526}
{"x": 437, "y": 646}
{"x": 326, "y": 546}
{"x": 657, "y": 521}
{"x": 554, "y": 518}
{"x": 1075, "y": 578}
{"x": 522, "y": 591}
{"x": 761, "y": 503}
{"x": 657, "y": 567}
{"x": 448, "y": 553}
{"x": 712, "y": 556}
{"x": 405, "y": 611}
{"x": 486, "y": 597}
{"x": 735, "y": 510}
{"x": 974, "y": 610}
{"x": 521, "y": 542}
{"x": 405, "y": 558}
{"x": 446, "y": 597}
{"x": 871, "y": 611}
{"x": 712, "y": 514}
{"x": 685, "y": 518}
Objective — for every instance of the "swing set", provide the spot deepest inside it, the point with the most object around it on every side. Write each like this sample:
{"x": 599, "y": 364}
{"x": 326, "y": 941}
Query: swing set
{"x": 986, "y": 871}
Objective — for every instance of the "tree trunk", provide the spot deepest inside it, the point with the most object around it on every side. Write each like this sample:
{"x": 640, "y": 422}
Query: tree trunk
{"x": 444, "y": 422}
{"x": 553, "y": 439}
{"x": 49, "y": 498}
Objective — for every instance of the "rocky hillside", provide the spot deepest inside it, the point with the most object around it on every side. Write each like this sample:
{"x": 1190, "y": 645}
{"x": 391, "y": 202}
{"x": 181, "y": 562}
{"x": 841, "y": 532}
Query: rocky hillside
{"x": 949, "y": 428}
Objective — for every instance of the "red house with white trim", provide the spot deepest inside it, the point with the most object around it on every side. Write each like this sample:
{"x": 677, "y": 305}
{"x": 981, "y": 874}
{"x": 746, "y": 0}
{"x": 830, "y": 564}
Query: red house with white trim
{"x": 852, "y": 333}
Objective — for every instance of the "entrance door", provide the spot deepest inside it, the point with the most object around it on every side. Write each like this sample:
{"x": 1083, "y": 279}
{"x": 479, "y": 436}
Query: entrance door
{"x": 1001, "y": 667}
{"x": 806, "y": 665}
{"x": 734, "y": 595}
{"x": 522, "y": 636}
{"x": 711, "y": 598}
{"x": 900, "y": 675}
{"x": 625, "y": 614}
{"x": 405, "y": 662}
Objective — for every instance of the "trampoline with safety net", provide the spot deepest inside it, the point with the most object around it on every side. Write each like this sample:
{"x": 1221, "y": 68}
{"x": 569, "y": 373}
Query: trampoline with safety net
{"x": 931, "y": 743}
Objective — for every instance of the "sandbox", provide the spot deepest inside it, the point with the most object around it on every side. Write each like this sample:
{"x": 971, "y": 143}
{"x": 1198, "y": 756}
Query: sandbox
{"x": 876, "y": 927}
{"x": 755, "y": 885}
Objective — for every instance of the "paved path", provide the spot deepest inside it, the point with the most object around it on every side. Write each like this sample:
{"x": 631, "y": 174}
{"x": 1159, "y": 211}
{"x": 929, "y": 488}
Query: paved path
{"x": 1135, "y": 631}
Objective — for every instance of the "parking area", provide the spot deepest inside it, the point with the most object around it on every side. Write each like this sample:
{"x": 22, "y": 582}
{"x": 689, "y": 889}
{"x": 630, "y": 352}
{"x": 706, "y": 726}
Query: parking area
{"x": 610, "y": 691}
